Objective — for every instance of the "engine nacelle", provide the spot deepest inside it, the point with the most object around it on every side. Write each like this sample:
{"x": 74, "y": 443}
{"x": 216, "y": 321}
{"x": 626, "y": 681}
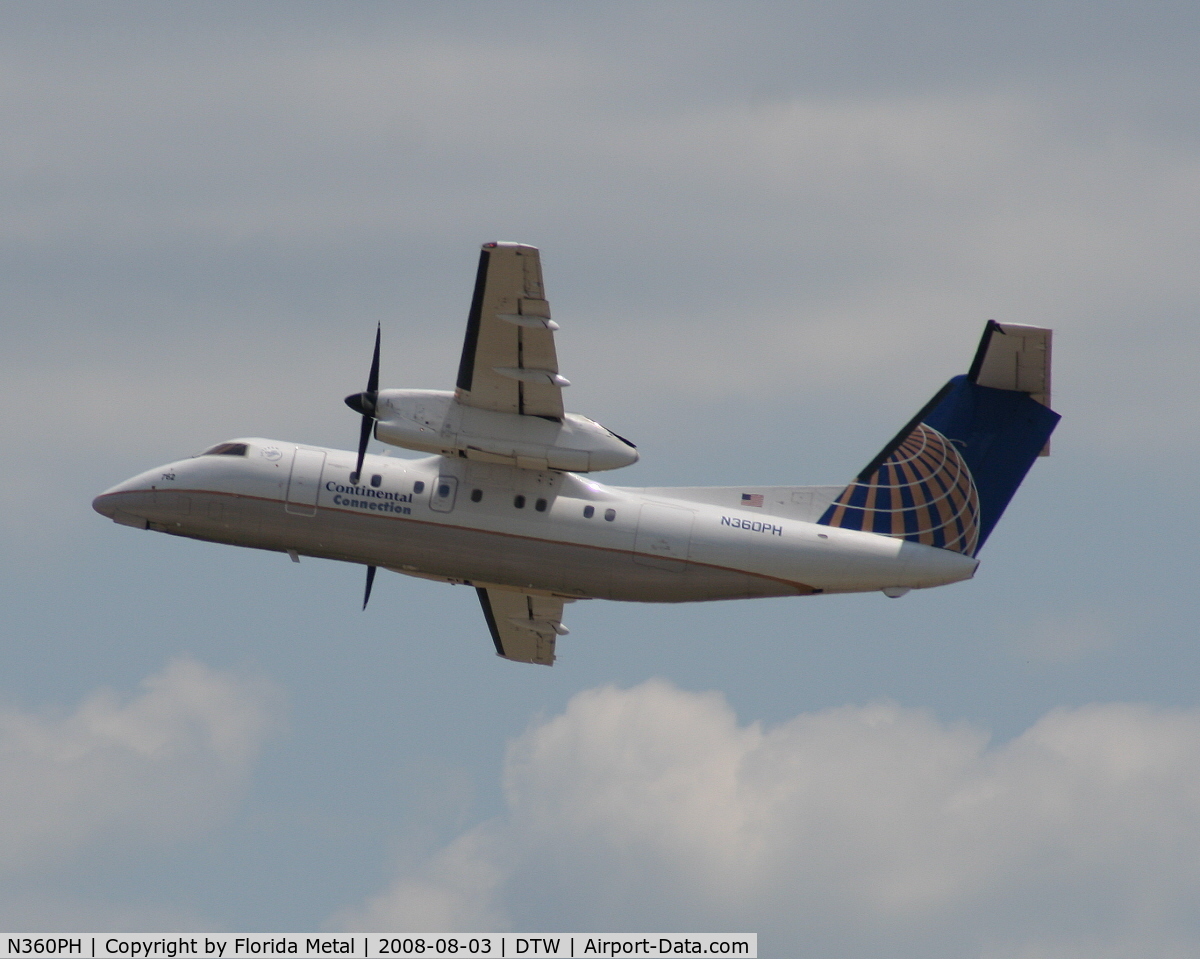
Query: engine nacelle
{"x": 432, "y": 421}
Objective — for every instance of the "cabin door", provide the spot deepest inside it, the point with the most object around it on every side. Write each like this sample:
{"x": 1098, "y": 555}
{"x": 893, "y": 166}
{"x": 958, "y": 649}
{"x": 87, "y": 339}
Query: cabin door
{"x": 304, "y": 483}
{"x": 664, "y": 535}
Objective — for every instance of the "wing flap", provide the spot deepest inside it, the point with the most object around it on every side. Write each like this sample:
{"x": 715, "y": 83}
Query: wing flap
{"x": 509, "y": 363}
{"x": 524, "y": 627}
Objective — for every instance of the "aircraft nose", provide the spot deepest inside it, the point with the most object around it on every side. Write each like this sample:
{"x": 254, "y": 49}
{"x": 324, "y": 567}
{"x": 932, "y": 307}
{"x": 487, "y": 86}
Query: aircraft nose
{"x": 125, "y": 502}
{"x": 104, "y": 505}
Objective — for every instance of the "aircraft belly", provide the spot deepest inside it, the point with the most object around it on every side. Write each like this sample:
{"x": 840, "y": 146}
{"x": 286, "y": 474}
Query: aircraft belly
{"x": 482, "y": 556}
{"x": 453, "y": 552}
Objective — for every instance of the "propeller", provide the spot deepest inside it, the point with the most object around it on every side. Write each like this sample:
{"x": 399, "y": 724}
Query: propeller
{"x": 364, "y": 403}
{"x": 370, "y": 583}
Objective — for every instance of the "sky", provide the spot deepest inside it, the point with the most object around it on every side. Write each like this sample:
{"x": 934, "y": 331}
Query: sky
{"x": 769, "y": 232}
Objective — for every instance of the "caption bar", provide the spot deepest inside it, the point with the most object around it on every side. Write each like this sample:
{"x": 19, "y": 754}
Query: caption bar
{"x": 491, "y": 945}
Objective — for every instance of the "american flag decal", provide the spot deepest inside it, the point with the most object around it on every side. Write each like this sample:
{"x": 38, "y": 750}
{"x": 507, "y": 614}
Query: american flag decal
{"x": 752, "y": 499}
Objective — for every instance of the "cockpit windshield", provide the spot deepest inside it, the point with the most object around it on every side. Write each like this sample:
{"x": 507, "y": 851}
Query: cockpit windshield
{"x": 226, "y": 449}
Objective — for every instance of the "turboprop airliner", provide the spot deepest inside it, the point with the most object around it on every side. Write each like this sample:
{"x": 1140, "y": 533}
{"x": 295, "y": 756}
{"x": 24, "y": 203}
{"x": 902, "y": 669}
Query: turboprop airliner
{"x": 506, "y": 501}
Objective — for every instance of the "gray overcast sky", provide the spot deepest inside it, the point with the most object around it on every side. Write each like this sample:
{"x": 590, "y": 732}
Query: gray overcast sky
{"x": 770, "y": 232}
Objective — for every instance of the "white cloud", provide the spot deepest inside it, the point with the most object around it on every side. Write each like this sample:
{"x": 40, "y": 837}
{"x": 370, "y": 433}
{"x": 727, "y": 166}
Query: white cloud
{"x": 165, "y": 764}
{"x": 853, "y": 831}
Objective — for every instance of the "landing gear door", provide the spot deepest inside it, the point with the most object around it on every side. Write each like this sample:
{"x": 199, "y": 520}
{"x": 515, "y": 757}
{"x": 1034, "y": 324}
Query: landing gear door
{"x": 444, "y": 491}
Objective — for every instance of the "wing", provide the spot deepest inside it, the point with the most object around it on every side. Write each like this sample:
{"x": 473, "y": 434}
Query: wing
{"x": 524, "y": 627}
{"x": 508, "y": 360}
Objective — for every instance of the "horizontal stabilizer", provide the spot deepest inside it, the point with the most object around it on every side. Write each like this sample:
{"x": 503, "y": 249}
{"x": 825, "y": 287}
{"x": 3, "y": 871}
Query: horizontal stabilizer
{"x": 1012, "y": 357}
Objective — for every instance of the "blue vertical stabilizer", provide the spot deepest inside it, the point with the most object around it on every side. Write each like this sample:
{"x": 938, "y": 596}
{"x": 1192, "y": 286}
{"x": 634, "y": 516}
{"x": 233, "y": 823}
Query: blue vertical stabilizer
{"x": 947, "y": 477}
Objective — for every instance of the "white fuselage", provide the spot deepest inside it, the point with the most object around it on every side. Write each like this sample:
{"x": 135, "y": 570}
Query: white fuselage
{"x": 464, "y": 521}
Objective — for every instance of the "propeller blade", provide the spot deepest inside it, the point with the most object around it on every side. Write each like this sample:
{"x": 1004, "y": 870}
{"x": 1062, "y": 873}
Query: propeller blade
{"x": 373, "y": 378}
{"x": 365, "y": 403}
{"x": 370, "y": 583}
{"x": 364, "y": 437}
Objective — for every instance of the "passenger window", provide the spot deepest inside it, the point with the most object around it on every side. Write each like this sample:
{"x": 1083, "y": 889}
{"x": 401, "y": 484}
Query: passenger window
{"x": 589, "y": 512}
{"x": 610, "y": 514}
{"x": 540, "y": 506}
{"x": 476, "y": 495}
{"x": 376, "y": 480}
{"x": 443, "y": 491}
{"x": 519, "y": 501}
{"x": 419, "y": 486}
